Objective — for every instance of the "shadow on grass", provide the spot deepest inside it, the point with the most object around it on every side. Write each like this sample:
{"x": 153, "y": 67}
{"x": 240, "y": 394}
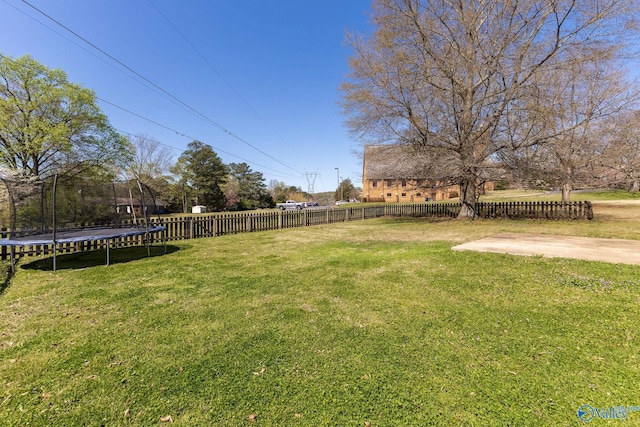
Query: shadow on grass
{"x": 97, "y": 258}
{"x": 6, "y": 273}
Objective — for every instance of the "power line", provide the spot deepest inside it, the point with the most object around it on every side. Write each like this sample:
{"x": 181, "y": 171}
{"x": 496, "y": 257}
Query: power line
{"x": 120, "y": 70}
{"x": 219, "y": 74}
{"x": 186, "y": 136}
{"x": 172, "y": 130}
{"x": 215, "y": 148}
{"x": 167, "y": 93}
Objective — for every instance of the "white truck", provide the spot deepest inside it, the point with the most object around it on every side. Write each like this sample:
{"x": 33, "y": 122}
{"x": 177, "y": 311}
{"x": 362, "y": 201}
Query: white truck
{"x": 291, "y": 204}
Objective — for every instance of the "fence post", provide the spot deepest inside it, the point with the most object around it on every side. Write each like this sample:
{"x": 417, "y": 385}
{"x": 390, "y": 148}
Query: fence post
{"x": 3, "y": 250}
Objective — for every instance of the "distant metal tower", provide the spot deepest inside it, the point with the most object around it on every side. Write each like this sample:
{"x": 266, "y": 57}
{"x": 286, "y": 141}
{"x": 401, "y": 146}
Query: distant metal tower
{"x": 311, "y": 180}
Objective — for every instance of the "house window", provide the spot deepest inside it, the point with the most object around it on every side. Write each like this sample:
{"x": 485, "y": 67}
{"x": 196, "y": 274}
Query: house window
{"x": 389, "y": 183}
{"x": 388, "y": 194}
{"x": 404, "y": 194}
{"x": 375, "y": 183}
{"x": 404, "y": 183}
{"x": 418, "y": 194}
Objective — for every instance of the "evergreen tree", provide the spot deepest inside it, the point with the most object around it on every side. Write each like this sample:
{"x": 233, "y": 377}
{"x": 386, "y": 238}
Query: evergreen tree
{"x": 246, "y": 188}
{"x": 202, "y": 173}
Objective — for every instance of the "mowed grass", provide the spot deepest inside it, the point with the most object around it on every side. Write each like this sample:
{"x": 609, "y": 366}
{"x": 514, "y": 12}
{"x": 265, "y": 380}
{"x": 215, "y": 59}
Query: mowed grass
{"x": 556, "y": 196}
{"x": 373, "y": 323}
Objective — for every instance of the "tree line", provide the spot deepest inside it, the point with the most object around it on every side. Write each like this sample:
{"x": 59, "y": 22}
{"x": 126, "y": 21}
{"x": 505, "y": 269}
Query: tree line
{"x": 49, "y": 126}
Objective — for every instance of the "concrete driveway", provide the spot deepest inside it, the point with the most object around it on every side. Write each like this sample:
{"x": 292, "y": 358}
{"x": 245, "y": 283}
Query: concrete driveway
{"x": 615, "y": 251}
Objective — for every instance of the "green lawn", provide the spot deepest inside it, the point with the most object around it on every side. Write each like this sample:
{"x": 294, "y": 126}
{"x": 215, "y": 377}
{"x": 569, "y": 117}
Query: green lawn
{"x": 347, "y": 324}
{"x": 527, "y": 195}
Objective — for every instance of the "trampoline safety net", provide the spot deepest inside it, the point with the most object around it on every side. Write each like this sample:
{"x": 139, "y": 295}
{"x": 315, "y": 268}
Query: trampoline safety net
{"x": 73, "y": 209}
{"x": 28, "y": 205}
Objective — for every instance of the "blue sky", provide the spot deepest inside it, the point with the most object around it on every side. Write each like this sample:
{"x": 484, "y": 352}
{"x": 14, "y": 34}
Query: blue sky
{"x": 264, "y": 74}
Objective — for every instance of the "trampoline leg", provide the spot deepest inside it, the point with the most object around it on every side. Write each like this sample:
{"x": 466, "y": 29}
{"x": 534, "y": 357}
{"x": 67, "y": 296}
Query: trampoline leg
{"x": 164, "y": 241}
{"x": 54, "y": 255}
{"x": 148, "y": 243}
{"x": 13, "y": 260}
{"x": 108, "y": 246}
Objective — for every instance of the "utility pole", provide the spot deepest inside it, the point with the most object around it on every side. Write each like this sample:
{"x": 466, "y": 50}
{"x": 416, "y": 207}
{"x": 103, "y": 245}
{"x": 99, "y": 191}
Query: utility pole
{"x": 338, "y": 177}
{"x": 311, "y": 180}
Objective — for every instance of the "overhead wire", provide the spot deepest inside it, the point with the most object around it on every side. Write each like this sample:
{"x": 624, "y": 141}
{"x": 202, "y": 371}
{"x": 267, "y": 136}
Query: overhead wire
{"x": 219, "y": 74}
{"x": 167, "y": 93}
{"x": 176, "y": 132}
{"x": 215, "y": 148}
{"x": 129, "y": 76}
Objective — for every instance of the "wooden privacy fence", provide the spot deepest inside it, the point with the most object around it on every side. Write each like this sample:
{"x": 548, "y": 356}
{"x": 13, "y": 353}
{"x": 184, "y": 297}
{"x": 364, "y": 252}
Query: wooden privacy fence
{"x": 193, "y": 227}
{"x": 512, "y": 210}
{"x": 535, "y": 210}
{"x": 218, "y": 224}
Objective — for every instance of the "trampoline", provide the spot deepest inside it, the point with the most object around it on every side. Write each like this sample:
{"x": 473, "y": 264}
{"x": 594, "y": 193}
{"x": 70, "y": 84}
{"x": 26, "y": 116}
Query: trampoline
{"x": 77, "y": 236}
{"x": 82, "y": 235}
{"x": 36, "y": 206}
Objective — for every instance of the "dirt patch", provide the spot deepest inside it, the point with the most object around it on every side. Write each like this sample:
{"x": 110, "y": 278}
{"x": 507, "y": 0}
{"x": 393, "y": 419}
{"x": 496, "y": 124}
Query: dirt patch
{"x": 615, "y": 251}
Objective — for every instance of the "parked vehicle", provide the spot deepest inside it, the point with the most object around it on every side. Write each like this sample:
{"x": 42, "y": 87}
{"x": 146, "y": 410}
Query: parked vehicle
{"x": 291, "y": 204}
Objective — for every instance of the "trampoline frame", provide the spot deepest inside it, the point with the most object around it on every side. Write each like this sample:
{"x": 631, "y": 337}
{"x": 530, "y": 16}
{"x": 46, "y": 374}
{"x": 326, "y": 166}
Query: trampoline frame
{"x": 78, "y": 235}
{"x": 81, "y": 235}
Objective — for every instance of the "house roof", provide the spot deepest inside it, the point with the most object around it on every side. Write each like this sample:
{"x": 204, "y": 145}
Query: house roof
{"x": 397, "y": 161}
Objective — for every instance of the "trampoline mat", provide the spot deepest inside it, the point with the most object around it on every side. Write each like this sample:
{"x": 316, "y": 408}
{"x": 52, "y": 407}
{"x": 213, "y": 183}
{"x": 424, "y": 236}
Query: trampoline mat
{"x": 80, "y": 235}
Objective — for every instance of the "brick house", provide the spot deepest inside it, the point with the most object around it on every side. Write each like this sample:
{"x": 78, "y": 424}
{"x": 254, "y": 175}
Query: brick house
{"x": 393, "y": 173}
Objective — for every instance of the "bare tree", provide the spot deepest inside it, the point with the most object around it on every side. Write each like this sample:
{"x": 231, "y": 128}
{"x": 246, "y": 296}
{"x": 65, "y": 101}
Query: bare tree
{"x": 621, "y": 155}
{"x": 150, "y": 161}
{"x": 571, "y": 105}
{"x": 457, "y": 77}
{"x": 151, "y": 164}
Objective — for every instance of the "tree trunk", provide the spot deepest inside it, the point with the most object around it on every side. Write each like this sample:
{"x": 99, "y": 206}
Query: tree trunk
{"x": 467, "y": 198}
{"x": 566, "y": 192}
{"x": 184, "y": 201}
